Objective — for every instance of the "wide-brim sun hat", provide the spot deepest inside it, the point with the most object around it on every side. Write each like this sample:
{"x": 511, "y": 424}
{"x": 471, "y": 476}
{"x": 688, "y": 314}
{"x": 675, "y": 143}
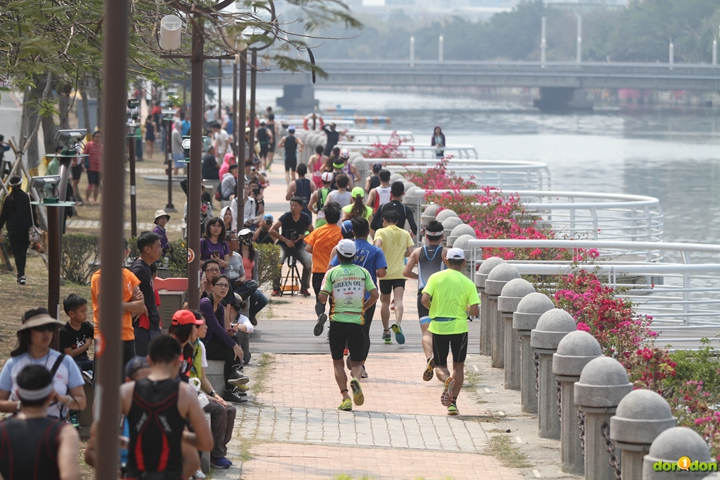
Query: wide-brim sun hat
{"x": 161, "y": 213}
{"x": 38, "y": 321}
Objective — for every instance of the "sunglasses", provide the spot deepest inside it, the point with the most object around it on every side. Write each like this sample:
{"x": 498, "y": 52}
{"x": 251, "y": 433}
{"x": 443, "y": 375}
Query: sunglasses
{"x": 45, "y": 328}
{"x": 222, "y": 285}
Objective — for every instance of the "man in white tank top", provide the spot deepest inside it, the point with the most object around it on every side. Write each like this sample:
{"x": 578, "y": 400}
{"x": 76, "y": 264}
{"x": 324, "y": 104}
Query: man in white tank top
{"x": 380, "y": 195}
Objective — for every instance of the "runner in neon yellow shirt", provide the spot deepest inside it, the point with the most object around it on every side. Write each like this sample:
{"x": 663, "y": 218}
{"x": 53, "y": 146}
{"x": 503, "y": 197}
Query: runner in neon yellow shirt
{"x": 451, "y": 297}
{"x": 347, "y": 283}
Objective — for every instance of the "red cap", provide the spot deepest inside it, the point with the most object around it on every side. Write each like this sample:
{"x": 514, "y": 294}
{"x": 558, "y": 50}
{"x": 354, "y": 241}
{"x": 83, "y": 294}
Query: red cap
{"x": 185, "y": 317}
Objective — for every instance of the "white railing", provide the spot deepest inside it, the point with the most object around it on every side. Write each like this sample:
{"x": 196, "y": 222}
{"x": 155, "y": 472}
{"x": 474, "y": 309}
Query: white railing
{"x": 502, "y": 174}
{"x": 681, "y": 293}
{"x": 375, "y": 136}
{"x": 414, "y": 150}
{"x": 593, "y": 216}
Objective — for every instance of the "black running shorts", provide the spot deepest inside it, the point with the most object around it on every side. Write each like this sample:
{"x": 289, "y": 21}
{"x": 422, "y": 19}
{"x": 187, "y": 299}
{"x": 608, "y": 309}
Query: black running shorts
{"x": 351, "y": 333}
{"x": 387, "y": 286}
{"x": 290, "y": 164}
{"x": 443, "y": 344}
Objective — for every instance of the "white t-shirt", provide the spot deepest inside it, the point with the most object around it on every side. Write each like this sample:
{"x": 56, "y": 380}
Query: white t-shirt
{"x": 243, "y": 320}
{"x": 67, "y": 376}
{"x": 221, "y": 144}
{"x": 203, "y": 355}
{"x": 249, "y": 212}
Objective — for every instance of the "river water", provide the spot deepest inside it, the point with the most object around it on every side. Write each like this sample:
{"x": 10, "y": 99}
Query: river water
{"x": 671, "y": 153}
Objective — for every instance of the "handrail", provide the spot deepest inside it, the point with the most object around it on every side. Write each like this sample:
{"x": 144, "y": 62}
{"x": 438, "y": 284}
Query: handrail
{"x": 463, "y": 151}
{"x": 378, "y": 135}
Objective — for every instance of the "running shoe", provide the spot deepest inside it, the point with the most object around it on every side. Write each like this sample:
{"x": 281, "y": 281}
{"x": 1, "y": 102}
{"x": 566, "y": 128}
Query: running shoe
{"x": 275, "y": 293}
{"x": 428, "y": 373}
{"x": 242, "y": 388}
{"x": 386, "y": 337}
{"x": 304, "y": 292}
{"x": 346, "y": 405}
{"x": 364, "y": 373}
{"x": 75, "y": 422}
{"x": 221, "y": 463}
{"x": 358, "y": 396}
{"x": 237, "y": 378}
{"x": 320, "y": 324}
{"x": 199, "y": 475}
{"x": 21, "y": 280}
{"x": 399, "y": 337}
{"x": 233, "y": 396}
{"x": 453, "y": 410}
{"x": 446, "y": 398}
{"x": 88, "y": 374}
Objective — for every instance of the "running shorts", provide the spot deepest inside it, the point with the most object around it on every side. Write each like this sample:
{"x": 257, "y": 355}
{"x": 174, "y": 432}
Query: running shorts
{"x": 290, "y": 164}
{"x": 387, "y": 286}
{"x": 76, "y": 171}
{"x": 443, "y": 344}
{"x": 422, "y": 311}
{"x": 351, "y": 333}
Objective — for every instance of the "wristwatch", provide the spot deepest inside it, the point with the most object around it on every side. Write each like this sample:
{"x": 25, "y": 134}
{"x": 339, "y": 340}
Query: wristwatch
{"x": 213, "y": 393}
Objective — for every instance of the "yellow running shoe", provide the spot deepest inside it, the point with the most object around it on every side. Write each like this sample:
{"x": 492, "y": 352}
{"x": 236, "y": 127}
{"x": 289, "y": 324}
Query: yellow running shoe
{"x": 358, "y": 396}
{"x": 242, "y": 388}
{"x": 453, "y": 410}
{"x": 446, "y": 398}
{"x": 346, "y": 405}
{"x": 428, "y": 373}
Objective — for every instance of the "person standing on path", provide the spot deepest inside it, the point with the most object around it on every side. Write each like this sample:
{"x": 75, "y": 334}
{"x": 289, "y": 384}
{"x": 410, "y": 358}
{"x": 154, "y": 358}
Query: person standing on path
{"x": 429, "y": 260}
{"x": 271, "y": 141}
{"x": 347, "y": 284}
{"x": 176, "y": 147}
{"x": 148, "y": 326}
{"x": 320, "y": 243}
{"x": 372, "y": 259}
{"x": 94, "y": 150}
{"x": 396, "y": 244}
{"x": 450, "y": 297}
{"x": 438, "y": 141}
{"x": 161, "y": 219}
{"x": 333, "y": 137}
{"x": 292, "y": 145}
{"x": 16, "y": 213}
{"x": 33, "y": 444}
{"x": 157, "y": 409}
{"x": 397, "y": 190}
{"x": 149, "y": 136}
{"x": 302, "y": 187}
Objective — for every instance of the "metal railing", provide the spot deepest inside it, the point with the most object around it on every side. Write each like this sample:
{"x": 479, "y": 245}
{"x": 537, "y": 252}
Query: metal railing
{"x": 370, "y": 135}
{"x": 502, "y": 174}
{"x": 413, "y": 150}
{"x": 592, "y": 216}
{"x": 685, "y": 292}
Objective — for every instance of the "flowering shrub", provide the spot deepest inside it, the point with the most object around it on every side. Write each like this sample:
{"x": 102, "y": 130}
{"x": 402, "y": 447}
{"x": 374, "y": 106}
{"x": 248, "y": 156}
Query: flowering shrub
{"x": 386, "y": 150}
{"x": 438, "y": 178}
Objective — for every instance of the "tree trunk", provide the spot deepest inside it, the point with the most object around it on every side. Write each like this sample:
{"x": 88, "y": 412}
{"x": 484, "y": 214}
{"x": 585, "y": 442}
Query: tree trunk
{"x": 85, "y": 107}
{"x": 99, "y": 104}
{"x": 64, "y": 109}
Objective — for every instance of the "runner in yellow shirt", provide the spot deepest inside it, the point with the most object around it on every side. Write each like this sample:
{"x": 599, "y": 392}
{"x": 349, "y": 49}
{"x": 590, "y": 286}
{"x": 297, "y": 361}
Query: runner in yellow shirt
{"x": 451, "y": 297}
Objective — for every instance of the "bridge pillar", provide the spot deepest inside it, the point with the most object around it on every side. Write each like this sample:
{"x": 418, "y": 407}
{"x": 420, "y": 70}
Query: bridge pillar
{"x": 297, "y": 98}
{"x": 562, "y": 99}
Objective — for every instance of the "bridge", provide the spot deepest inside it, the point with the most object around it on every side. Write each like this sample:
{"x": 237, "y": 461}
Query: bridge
{"x": 558, "y": 81}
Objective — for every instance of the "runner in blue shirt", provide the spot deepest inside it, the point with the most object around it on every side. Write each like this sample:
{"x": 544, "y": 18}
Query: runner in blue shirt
{"x": 372, "y": 259}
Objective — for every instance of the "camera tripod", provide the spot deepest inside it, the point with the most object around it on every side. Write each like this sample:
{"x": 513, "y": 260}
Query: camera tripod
{"x": 292, "y": 276}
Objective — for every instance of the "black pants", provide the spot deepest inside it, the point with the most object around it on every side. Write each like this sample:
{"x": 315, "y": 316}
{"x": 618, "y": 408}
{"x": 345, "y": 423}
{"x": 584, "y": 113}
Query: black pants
{"x": 19, "y": 242}
{"x": 128, "y": 352}
{"x": 369, "y": 313}
{"x": 217, "y": 350}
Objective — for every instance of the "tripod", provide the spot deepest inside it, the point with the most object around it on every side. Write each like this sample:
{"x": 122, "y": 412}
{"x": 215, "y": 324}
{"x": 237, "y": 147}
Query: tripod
{"x": 292, "y": 277}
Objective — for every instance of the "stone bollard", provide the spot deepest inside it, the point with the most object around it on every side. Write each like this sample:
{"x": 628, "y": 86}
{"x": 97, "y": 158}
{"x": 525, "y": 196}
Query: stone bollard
{"x": 462, "y": 243}
{"x": 603, "y": 383}
{"x": 574, "y": 351}
{"x": 494, "y": 284}
{"x": 429, "y": 214}
{"x": 458, "y": 231}
{"x": 640, "y": 417}
{"x": 396, "y": 177}
{"x": 445, "y": 214}
{"x": 449, "y": 223}
{"x": 529, "y": 310}
{"x": 552, "y": 326}
{"x": 512, "y": 293}
{"x": 669, "y": 447}
{"x": 480, "y": 277}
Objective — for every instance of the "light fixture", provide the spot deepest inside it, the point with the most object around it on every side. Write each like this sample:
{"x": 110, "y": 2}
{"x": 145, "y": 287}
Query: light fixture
{"x": 170, "y": 30}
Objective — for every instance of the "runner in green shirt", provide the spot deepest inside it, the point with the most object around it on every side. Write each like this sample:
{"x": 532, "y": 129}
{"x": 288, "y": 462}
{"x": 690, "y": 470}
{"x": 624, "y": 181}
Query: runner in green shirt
{"x": 347, "y": 283}
{"x": 451, "y": 297}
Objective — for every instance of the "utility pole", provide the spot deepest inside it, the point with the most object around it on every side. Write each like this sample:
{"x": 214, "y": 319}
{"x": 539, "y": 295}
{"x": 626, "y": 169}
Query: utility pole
{"x": 543, "y": 42}
{"x": 578, "y": 55}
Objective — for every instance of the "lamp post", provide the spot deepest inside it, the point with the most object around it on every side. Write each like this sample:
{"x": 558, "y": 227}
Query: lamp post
{"x": 240, "y": 195}
{"x": 167, "y": 118}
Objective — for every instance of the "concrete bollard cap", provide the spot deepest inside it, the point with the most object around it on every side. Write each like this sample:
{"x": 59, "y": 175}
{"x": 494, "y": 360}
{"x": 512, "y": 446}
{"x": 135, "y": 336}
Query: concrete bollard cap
{"x": 551, "y": 327}
{"x": 450, "y": 223}
{"x": 530, "y": 309}
{"x": 672, "y": 444}
{"x": 511, "y": 294}
{"x": 459, "y": 231}
{"x": 640, "y": 417}
{"x": 603, "y": 383}
{"x": 445, "y": 214}
{"x": 574, "y": 351}
{"x": 431, "y": 210}
{"x": 461, "y": 242}
{"x": 498, "y": 277}
{"x": 396, "y": 177}
{"x": 485, "y": 268}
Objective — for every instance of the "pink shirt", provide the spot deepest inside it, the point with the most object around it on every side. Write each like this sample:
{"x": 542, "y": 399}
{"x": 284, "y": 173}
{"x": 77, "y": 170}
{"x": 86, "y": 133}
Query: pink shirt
{"x": 225, "y": 168}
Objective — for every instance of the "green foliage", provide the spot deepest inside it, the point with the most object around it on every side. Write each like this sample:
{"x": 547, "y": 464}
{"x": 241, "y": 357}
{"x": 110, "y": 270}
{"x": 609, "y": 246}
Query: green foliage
{"x": 702, "y": 363}
{"x": 177, "y": 258}
{"x": 80, "y": 255}
{"x": 269, "y": 266}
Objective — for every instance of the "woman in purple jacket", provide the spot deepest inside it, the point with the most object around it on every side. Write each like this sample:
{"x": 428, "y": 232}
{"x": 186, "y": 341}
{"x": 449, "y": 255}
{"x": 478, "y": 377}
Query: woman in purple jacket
{"x": 438, "y": 141}
{"x": 221, "y": 342}
{"x": 161, "y": 219}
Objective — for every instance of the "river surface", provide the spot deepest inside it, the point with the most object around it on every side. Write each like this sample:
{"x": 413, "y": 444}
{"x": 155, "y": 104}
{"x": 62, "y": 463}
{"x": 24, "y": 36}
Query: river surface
{"x": 671, "y": 153}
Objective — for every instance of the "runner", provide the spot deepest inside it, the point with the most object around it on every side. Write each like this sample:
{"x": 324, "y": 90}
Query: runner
{"x": 292, "y": 145}
{"x": 396, "y": 244}
{"x": 341, "y": 195}
{"x": 264, "y": 136}
{"x": 319, "y": 198}
{"x": 302, "y": 187}
{"x": 429, "y": 260}
{"x": 347, "y": 283}
{"x": 372, "y": 259}
{"x": 157, "y": 409}
{"x": 320, "y": 243}
{"x": 450, "y": 297}
{"x": 380, "y": 195}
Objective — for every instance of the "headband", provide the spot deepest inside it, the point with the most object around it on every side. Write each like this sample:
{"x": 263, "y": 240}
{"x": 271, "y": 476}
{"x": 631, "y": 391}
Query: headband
{"x": 31, "y": 395}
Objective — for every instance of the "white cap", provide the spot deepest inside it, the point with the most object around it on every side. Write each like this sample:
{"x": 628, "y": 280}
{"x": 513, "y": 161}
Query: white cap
{"x": 327, "y": 177}
{"x": 455, "y": 254}
{"x": 346, "y": 248}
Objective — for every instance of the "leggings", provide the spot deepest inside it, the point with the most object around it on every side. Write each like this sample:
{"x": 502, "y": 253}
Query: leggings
{"x": 19, "y": 242}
